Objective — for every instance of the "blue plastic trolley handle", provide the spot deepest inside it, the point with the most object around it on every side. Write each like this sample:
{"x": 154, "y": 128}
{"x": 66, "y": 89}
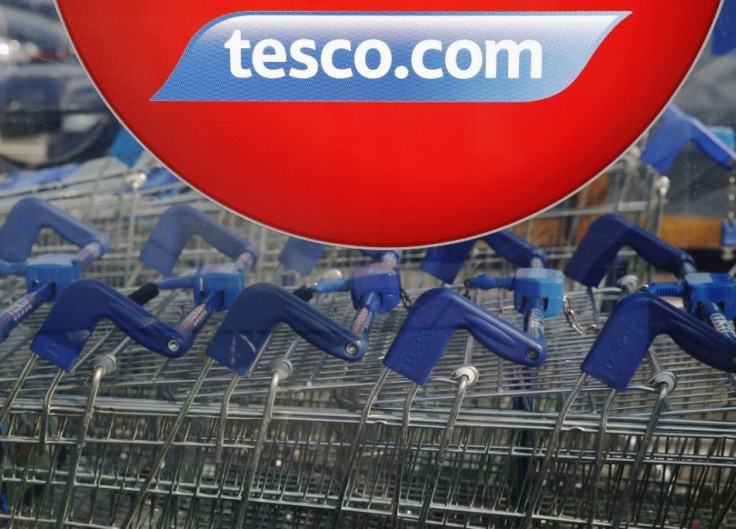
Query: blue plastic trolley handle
{"x": 180, "y": 223}
{"x": 607, "y": 235}
{"x": 49, "y": 274}
{"x": 72, "y": 319}
{"x": 435, "y": 317}
{"x": 29, "y": 216}
{"x": 635, "y": 322}
{"x": 255, "y": 313}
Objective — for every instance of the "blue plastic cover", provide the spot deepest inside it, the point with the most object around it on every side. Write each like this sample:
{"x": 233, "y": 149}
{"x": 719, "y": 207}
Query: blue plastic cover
{"x": 716, "y": 288}
{"x": 379, "y": 282}
{"x": 228, "y": 280}
{"x": 61, "y": 270}
{"x": 543, "y": 284}
{"x": 255, "y": 313}
{"x": 435, "y": 317}
{"x": 377, "y": 279}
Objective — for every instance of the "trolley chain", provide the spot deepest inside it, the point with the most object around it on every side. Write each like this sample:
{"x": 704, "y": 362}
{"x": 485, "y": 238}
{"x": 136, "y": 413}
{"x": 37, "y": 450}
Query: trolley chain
{"x": 406, "y": 299}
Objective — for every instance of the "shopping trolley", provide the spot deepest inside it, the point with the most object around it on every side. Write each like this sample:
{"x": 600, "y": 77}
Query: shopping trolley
{"x": 623, "y": 343}
{"x": 246, "y": 329}
{"x": 83, "y": 302}
{"x": 194, "y": 488}
{"x": 315, "y": 416}
{"x": 253, "y": 314}
{"x": 316, "y": 441}
{"x": 46, "y": 276}
{"x": 374, "y": 290}
{"x": 538, "y": 292}
{"x": 156, "y": 336}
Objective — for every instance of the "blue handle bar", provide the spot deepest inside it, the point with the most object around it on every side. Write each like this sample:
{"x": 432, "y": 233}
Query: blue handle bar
{"x": 179, "y": 224}
{"x": 607, "y": 235}
{"x": 74, "y": 316}
{"x": 380, "y": 281}
{"x": 253, "y": 316}
{"x": 435, "y": 317}
{"x": 633, "y": 325}
{"x": 29, "y": 216}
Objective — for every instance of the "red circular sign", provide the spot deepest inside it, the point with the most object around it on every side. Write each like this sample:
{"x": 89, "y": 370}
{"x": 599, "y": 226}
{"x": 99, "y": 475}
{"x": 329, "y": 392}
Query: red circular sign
{"x": 387, "y": 173}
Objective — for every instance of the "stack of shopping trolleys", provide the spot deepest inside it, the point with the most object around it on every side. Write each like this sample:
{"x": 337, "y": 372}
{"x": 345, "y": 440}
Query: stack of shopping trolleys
{"x": 166, "y": 364}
